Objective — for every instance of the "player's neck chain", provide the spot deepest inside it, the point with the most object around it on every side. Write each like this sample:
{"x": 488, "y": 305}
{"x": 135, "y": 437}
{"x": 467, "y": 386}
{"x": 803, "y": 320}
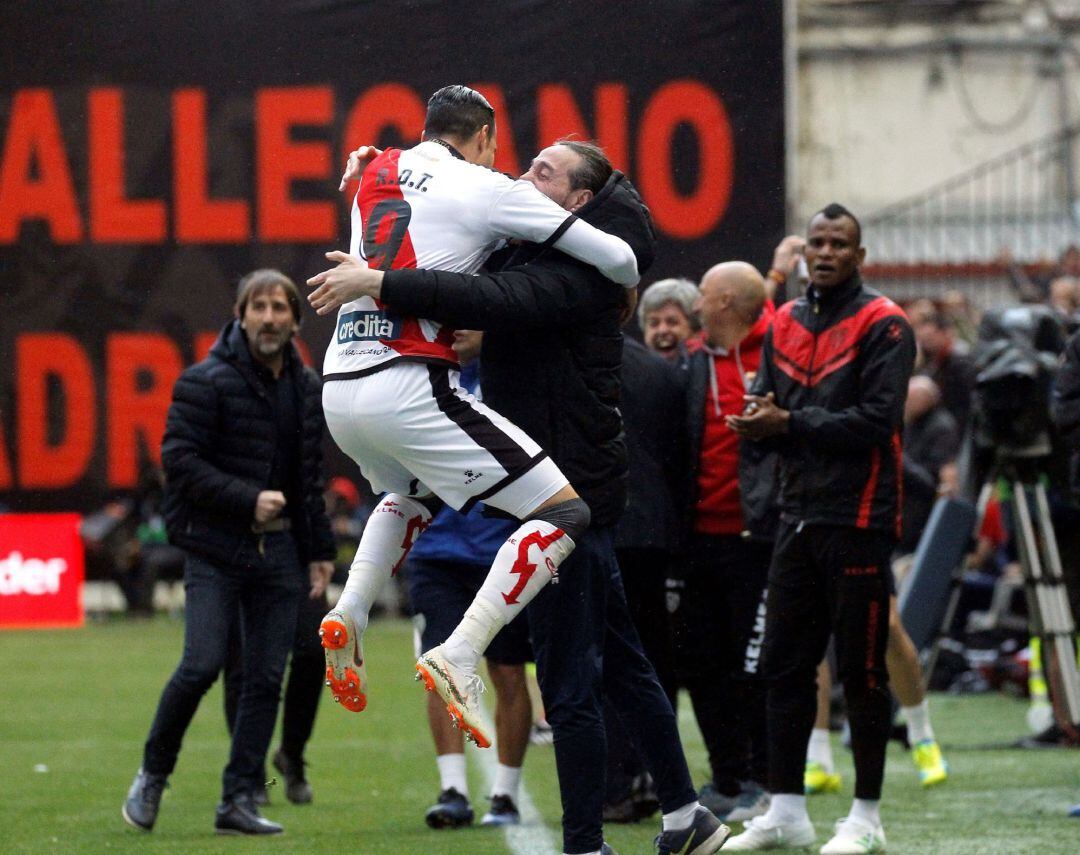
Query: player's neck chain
{"x": 448, "y": 147}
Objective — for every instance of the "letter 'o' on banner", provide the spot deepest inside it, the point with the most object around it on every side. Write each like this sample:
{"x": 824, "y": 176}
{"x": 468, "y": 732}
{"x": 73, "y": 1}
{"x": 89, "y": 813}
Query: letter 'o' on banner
{"x": 690, "y": 103}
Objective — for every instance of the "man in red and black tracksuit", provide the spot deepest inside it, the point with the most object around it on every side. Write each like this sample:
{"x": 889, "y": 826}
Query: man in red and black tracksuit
{"x": 829, "y": 396}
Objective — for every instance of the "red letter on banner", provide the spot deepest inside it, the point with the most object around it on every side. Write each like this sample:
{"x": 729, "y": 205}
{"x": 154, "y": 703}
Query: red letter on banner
{"x": 388, "y": 105}
{"x": 559, "y": 116}
{"x": 506, "y": 159}
{"x": 113, "y": 217}
{"x": 136, "y": 413}
{"x": 696, "y": 105}
{"x": 34, "y": 145}
{"x": 200, "y": 219}
{"x": 280, "y": 161}
{"x": 6, "y": 480}
{"x": 203, "y": 342}
{"x": 39, "y": 356}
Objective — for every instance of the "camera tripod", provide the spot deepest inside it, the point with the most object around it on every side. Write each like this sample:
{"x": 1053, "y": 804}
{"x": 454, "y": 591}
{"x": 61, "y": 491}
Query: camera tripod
{"x": 1049, "y": 616}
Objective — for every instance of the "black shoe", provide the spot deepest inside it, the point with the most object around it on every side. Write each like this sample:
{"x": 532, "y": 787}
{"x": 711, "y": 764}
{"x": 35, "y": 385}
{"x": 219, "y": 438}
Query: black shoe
{"x": 643, "y": 794}
{"x": 297, "y": 789}
{"x": 240, "y": 816}
{"x": 503, "y": 812}
{"x": 140, "y": 809}
{"x": 451, "y": 811}
{"x": 703, "y": 836}
{"x": 622, "y": 812}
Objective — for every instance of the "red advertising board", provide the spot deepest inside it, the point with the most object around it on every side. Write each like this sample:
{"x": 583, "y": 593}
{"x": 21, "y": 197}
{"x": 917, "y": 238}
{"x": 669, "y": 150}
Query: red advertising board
{"x": 41, "y": 571}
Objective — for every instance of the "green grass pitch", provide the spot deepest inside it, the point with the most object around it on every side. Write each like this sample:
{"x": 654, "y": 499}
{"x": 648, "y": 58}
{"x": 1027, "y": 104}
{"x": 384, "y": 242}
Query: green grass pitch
{"x": 75, "y": 707}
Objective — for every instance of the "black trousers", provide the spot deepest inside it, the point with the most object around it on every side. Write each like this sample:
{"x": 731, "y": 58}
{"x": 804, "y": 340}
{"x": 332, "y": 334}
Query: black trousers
{"x": 262, "y": 593}
{"x": 586, "y": 647}
{"x": 828, "y": 580}
{"x": 644, "y": 573}
{"x": 719, "y": 628}
{"x": 307, "y": 673}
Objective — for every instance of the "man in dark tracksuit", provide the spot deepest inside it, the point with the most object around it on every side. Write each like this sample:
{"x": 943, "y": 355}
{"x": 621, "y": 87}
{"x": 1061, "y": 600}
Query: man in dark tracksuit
{"x": 829, "y": 396}
{"x": 242, "y": 455}
{"x": 551, "y": 358}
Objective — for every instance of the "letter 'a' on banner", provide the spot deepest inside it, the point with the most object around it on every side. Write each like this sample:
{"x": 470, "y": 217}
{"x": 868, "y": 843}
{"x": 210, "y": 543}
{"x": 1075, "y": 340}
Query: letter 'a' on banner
{"x": 41, "y": 571}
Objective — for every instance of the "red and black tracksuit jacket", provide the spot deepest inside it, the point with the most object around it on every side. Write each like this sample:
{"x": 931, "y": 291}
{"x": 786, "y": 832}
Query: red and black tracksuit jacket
{"x": 840, "y": 363}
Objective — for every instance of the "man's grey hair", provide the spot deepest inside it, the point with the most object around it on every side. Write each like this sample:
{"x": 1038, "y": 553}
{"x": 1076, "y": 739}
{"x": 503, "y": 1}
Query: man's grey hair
{"x": 678, "y": 291}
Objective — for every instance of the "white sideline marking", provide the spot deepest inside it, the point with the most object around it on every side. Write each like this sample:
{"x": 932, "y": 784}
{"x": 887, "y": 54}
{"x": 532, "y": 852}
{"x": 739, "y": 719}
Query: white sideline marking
{"x": 532, "y": 836}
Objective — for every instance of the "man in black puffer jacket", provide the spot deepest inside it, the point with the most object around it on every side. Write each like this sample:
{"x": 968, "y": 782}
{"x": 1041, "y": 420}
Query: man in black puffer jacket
{"x": 243, "y": 461}
{"x": 551, "y": 362}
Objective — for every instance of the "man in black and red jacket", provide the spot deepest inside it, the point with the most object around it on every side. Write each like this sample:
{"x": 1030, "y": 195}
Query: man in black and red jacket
{"x": 829, "y": 396}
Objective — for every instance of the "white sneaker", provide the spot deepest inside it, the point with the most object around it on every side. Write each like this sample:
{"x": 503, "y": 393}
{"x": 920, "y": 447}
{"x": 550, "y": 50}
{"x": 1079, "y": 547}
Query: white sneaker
{"x": 461, "y": 691}
{"x": 763, "y": 833}
{"x": 855, "y": 837}
{"x": 345, "y": 672}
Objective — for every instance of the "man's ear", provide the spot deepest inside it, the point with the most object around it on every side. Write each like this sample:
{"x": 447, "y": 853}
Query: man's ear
{"x": 580, "y": 198}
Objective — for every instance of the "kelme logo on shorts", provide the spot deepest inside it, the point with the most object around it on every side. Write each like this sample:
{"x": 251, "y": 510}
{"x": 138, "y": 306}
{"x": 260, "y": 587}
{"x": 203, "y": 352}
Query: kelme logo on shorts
{"x": 367, "y": 326}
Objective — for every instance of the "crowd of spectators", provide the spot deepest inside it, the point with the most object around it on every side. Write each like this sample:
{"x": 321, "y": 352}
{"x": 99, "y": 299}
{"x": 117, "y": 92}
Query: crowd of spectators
{"x": 937, "y": 427}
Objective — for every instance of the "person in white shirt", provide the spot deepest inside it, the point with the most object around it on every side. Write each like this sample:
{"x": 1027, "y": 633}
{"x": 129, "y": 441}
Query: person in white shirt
{"x": 393, "y": 403}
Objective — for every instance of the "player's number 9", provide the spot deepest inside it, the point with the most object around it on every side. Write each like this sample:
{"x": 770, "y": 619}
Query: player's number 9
{"x": 386, "y": 228}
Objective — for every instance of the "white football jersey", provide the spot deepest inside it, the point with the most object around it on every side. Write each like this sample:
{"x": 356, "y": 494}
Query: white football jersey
{"x": 426, "y": 207}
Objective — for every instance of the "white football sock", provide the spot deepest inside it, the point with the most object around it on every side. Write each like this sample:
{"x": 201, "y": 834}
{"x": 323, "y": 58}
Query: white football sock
{"x": 819, "y": 749}
{"x": 866, "y": 810}
{"x": 389, "y": 534}
{"x": 523, "y": 565}
{"x": 682, "y": 817}
{"x": 918, "y": 722}
{"x": 786, "y": 808}
{"x": 507, "y": 779}
{"x": 452, "y": 773}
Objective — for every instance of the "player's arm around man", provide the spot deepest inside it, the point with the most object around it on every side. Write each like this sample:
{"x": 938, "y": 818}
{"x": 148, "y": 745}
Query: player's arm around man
{"x": 555, "y": 349}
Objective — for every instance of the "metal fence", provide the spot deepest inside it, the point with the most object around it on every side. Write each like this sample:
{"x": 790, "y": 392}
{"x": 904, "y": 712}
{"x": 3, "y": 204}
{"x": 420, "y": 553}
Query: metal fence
{"x": 1025, "y": 201}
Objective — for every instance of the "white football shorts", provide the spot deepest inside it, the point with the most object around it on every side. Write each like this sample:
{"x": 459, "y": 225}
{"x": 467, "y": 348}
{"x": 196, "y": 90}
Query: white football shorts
{"x": 414, "y": 431}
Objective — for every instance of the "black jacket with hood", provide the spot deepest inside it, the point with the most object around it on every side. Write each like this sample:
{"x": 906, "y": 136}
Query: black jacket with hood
{"x": 552, "y": 348}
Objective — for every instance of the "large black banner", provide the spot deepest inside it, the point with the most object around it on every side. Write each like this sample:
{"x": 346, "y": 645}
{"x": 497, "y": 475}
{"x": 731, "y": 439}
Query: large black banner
{"x": 151, "y": 154}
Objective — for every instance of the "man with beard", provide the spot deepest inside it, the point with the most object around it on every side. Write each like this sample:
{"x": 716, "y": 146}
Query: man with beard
{"x": 551, "y": 357}
{"x": 242, "y": 455}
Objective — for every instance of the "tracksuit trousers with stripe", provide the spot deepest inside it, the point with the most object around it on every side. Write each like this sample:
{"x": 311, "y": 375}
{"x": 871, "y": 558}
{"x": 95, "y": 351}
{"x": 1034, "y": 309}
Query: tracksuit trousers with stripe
{"x": 828, "y": 580}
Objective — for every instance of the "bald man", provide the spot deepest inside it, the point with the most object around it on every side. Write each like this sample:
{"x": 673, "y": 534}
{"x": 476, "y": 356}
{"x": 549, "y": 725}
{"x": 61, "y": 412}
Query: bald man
{"x": 719, "y": 618}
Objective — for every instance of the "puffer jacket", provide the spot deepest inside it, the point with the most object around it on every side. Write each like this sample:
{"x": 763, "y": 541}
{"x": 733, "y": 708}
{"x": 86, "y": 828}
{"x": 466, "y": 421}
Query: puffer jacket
{"x": 219, "y": 448}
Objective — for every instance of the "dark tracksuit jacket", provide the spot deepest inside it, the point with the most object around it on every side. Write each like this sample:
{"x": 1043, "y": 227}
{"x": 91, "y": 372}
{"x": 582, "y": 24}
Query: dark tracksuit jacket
{"x": 840, "y": 363}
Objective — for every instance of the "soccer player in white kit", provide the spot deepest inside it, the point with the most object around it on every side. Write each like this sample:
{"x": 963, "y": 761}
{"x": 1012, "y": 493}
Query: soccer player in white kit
{"x": 392, "y": 401}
